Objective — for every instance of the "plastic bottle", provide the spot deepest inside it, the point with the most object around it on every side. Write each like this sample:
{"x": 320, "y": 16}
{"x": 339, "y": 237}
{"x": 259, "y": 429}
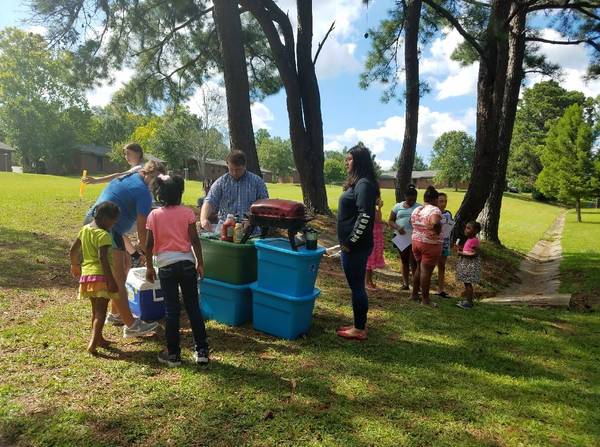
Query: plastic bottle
{"x": 227, "y": 228}
{"x": 238, "y": 233}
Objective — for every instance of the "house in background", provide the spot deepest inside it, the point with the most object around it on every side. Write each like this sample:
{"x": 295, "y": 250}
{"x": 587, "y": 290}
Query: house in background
{"x": 215, "y": 169}
{"x": 6, "y": 157}
{"x": 421, "y": 179}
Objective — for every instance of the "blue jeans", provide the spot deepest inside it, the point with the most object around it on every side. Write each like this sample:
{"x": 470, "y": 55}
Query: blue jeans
{"x": 182, "y": 274}
{"x": 355, "y": 268}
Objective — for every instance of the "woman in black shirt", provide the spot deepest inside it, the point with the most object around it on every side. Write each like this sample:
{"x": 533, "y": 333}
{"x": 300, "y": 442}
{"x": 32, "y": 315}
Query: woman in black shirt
{"x": 356, "y": 215}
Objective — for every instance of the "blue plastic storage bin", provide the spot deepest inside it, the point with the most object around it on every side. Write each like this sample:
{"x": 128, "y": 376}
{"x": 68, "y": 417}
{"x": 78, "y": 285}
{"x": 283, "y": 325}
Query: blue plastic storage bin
{"x": 225, "y": 303}
{"x": 282, "y": 315}
{"x": 283, "y": 270}
{"x": 146, "y": 299}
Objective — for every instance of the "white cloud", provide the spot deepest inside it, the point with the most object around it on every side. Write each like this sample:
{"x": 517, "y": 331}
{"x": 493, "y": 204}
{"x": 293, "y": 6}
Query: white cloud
{"x": 102, "y": 95}
{"x": 37, "y": 29}
{"x": 261, "y": 116}
{"x": 386, "y": 165}
{"x": 574, "y": 60}
{"x": 447, "y": 77}
{"x": 387, "y": 137}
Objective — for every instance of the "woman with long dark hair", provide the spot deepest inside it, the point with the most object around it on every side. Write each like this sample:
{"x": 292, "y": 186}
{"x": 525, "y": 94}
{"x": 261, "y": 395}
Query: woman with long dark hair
{"x": 356, "y": 215}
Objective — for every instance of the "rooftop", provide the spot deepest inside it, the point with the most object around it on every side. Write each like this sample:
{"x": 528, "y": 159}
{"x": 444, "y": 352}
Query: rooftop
{"x": 6, "y": 147}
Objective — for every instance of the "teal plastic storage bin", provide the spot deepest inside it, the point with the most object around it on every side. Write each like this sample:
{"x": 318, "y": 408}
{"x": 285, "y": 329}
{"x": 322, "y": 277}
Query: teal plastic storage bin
{"x": 228, "y": 262}
{"x": 282, "y": 315}
{"x": 283, "y": 270}
{"x": 226, "y": 303}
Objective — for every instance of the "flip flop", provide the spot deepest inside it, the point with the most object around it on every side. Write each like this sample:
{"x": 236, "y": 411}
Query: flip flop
{"x": 349, "y": 336}
{"x": 347, "y": 328}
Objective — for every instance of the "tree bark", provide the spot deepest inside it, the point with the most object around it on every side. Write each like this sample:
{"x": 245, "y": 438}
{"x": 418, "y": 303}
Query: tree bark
{"x": 411, "y": 122}
{"x": 235, "y": 73}
{"x": 313, "y": 180}
{"x": 578, "y": 209}
{"x": 302, "y": 94}
{"x": 490, "y": 216}
{"x": 490, "y": 95}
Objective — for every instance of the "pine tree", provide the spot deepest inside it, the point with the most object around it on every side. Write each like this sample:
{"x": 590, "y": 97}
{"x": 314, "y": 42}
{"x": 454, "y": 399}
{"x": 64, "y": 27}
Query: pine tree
{"x": 568, "y": 161}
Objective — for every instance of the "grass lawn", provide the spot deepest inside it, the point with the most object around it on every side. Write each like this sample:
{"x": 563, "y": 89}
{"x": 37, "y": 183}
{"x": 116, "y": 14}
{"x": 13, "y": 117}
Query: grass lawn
{"x": 580, "y": 267}
{"x": 495, "y": 376}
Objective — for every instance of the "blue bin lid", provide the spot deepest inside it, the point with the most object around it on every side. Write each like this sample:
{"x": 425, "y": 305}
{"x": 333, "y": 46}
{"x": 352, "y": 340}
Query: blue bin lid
{"x": 283, "y": 246}
{"x": 311, "y": 296}
{"x": 214, "y": 282}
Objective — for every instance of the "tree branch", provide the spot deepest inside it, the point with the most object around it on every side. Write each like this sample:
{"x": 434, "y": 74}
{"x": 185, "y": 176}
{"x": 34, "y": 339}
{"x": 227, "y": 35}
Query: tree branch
{"x": 590, "y": 42}
{"x": 174, "y": 30}
{"x": 331, "y": 28}
{"x": 456, "y": 24}
{"x": 561, "y": 5}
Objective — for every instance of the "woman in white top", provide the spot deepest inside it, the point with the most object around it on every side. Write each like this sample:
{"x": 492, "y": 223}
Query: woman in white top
{"x": 133, "y": 154}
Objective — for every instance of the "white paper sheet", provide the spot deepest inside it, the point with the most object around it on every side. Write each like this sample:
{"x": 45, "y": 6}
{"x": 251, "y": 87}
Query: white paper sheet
{"x": 402, "y": 240}
{"x": 447, "y": 229}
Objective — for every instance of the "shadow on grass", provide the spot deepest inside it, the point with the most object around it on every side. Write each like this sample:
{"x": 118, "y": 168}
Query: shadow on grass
{"x": 33, "y": 260}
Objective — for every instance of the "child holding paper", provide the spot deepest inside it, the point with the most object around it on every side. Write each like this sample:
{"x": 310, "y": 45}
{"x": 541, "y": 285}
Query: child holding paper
{"x": 399, "y": 221}
{"x": 447, "y": 225}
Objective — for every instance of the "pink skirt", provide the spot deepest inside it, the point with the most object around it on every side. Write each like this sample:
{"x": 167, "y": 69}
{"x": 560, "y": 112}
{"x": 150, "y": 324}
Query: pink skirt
{"x": 376, "y": 260}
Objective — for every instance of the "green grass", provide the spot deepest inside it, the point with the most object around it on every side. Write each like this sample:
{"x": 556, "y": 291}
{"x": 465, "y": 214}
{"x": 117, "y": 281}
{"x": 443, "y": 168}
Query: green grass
{"x": 494, "y": 376}
{"x": 580, "y": 266}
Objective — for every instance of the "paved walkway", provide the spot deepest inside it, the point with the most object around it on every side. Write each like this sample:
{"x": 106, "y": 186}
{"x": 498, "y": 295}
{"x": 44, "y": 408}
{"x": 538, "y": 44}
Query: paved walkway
{"x": 539, "y": 274}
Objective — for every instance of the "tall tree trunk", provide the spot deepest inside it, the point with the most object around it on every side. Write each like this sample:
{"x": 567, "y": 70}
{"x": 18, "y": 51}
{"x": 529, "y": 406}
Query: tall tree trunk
{"x": 490, "y": 216}
{"x": 302, "y": 100}
{"x": 411, "y": 122}
{"x": 490, "y": 95}
{"x": 235, "y": 73}
{"x": 578, "y": 209}
{"x": 313, "y": 179}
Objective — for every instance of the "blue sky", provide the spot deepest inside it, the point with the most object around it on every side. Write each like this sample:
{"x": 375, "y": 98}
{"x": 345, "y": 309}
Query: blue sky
{"x": 351, "y": 114}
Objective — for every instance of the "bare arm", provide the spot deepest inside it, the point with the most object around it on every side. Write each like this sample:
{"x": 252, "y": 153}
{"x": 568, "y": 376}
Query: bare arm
{"x": 110, "y": 279}
{"x": 74, "y": 252}
{"x": 193, "y": 233}
{"x": 104, "y": 179}
{"x": 148, "y": 248}
{"x": 436, "y": 224}
{"x": 141, "y": 230}
{"x": 205, "y": 213}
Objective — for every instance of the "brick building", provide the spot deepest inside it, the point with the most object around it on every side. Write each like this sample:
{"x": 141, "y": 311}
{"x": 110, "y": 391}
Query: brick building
{"x": 6, "y": 153}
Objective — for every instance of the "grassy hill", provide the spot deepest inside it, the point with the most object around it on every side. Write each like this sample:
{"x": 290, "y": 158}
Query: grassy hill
{"x": 495, "y": 376}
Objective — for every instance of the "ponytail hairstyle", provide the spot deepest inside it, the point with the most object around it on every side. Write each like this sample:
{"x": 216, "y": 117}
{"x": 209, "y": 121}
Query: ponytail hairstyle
{"x": 362, "y": 167}
{"x": 431, "y": 194}
{"x": 411, "y": 191}
{"x": 134, "y": 147}
{"x": 168, "y": 189}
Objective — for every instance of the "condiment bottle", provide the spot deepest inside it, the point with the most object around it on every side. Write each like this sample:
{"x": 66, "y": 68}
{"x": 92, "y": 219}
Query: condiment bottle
{"x": 227, "y": 228}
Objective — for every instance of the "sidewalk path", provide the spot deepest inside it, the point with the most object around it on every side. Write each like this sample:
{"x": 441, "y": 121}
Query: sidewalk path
{"x": 539, "y": 274}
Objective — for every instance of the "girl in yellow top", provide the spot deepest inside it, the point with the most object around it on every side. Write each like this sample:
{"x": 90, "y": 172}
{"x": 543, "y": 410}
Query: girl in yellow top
{"x": 96, "y": 280}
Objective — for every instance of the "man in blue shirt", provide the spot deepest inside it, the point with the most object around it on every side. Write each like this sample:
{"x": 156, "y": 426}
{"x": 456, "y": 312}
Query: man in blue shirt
{"x": 233, "y": 192}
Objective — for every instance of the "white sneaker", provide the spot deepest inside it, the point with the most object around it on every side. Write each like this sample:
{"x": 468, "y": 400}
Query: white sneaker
{"x": 139, "y": 328}
{"x": 114, "y": 319}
